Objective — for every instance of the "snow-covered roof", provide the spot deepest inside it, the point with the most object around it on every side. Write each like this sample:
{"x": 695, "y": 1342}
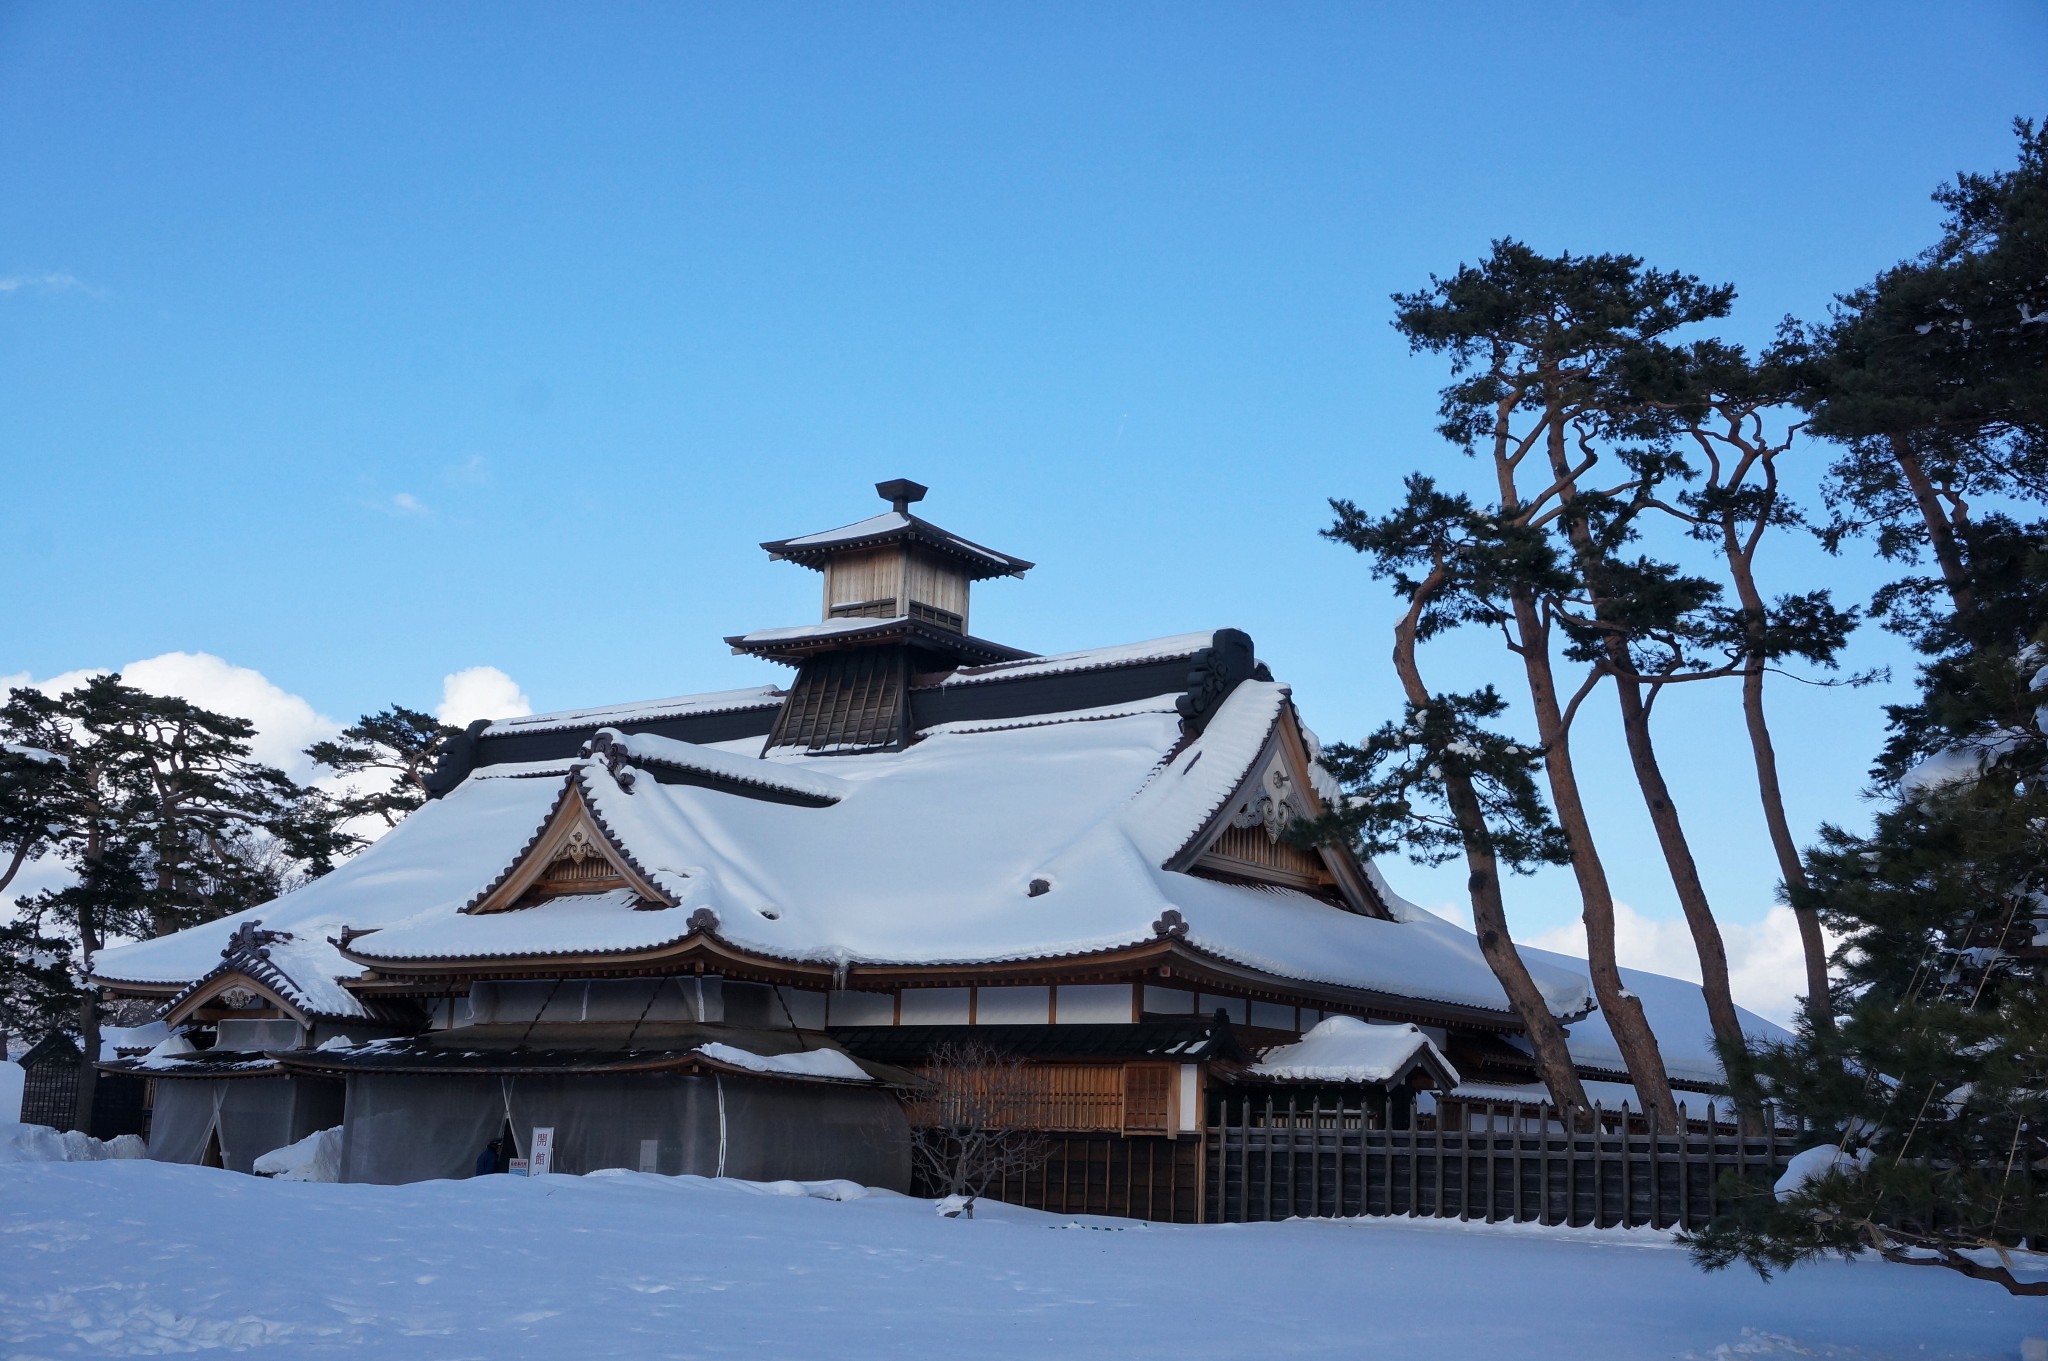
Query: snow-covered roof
{"x": 1088, "y": 659}
{"x": 894, "y": 526}
{"x": 648, "y": 749}
{"x": 1675, "y": 1008}
{"x": 1346, "y": 1049}
{"x": 825, "y": 628}
{"x": 1677, "y": 1013}
{"x": 720, "y": 701}
{"x": 929, "y": 857}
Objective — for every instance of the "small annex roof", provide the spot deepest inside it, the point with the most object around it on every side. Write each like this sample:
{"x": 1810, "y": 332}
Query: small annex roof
{"x": 298, "y": 975}
{"x": 1345, "y": 1050}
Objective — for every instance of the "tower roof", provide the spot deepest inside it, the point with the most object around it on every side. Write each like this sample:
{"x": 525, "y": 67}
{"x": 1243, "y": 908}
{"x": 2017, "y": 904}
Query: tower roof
{"x": 892, "y": 526}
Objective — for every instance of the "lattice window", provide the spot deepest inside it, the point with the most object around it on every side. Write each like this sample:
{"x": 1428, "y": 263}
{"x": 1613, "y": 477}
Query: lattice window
{"x": 1148, "y": 1098}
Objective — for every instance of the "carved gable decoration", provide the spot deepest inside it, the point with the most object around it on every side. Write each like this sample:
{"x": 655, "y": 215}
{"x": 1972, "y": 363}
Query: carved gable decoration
{"x": 246, "y": 980}
{"x": 571, "y": 854}
{"x": 229, "y": 990}
{"x": 1246, "y": 841}
{"x": 1249, "y": 842}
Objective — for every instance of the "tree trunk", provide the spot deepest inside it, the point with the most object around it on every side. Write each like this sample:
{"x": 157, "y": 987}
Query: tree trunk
{"x": 16, "y": 861}
{"x": 1671, "y": 838}
{"x": 1490, "y": 919}
{"x": 1623, "y": 1009}
{"x": 1791, "y": 869}
{"x": 1941, "y": 537}
{"x": 1815, "y": 946}
{"x": 1635, "y": 721}
{"x": 88, "y": 1071}
{"x": 1489, "y": 910}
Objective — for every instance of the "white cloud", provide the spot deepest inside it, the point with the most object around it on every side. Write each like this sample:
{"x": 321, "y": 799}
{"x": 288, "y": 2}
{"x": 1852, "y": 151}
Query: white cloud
{"x": 1766, "y": 964}
{"x": 481, "y": 692}
{"x": 285, "y": 723}
{"x": 405, "y": 503}
{"x": 50, "y": 281}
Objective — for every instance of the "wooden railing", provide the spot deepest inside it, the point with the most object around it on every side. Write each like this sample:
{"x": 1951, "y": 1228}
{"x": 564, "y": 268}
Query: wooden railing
{"x": 1269, "y": 1159}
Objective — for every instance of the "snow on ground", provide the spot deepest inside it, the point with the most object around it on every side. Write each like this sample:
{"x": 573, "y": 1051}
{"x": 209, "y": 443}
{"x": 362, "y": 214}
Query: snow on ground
{"x": 116, "y": 1259}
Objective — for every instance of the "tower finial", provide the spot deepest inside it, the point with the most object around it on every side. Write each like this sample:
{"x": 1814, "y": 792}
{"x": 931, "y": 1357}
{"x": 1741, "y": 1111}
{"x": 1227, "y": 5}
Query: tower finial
{"x": 899, "y": 492}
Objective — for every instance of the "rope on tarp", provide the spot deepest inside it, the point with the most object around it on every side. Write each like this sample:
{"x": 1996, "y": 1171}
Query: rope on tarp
{"x": 652, "y": 993}
{"x": 538, "y": 1013}
{"x": 719, "y": 1082}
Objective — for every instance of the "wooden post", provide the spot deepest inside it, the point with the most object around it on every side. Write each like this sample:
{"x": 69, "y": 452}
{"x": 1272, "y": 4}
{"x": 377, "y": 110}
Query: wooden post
{"x": 1515, "y": 1132}
{"x": 1628, "y": 1171}
{"x": 1489, "y": 1162}
{"x": 1393, "y": 1151}
{"x": 1571, "y": 1166}
{"x": 1741, "y": 1148}
{"x": 1440, "y": 1122}
{"x": 1337, "y": 1163}
{"x": 1543, "y": 1164}
{"x": 1269, "y": 1159}
{"x": 1293, "y": 1135}
{"x": 1599, "y": 1183}
{"x": 1656, "y": 1167}
{"x": 1684, "y": 1168}
{"x": 1771, "y": 1140}
{"x": 1414, "y": 1161}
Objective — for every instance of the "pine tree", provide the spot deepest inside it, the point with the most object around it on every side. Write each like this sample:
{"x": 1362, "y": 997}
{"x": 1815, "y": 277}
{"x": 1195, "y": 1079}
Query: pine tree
{"x": 162, "y": 820}
{"x": 396, "y": 749}
{"x": 1738, "y": 415}
{"x": 1537, "y": 346}
{"x": 1935, "y": 1082}
{"x": 1440, "y": 783}
{"x": 1933, "y": 1085}
{"x": 1935, "y": 378}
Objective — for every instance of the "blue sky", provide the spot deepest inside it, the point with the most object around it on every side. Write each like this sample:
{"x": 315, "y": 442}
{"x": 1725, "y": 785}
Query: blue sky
{"x": 362, "y": 345}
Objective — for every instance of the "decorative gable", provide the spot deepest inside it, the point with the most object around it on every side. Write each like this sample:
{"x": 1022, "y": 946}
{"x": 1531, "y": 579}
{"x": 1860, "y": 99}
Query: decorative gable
{"x": 572, "y": 853}
{"x": 247, "y": 982}
{"x": 1249, "y": 842}
{"x": 1246, "y": 840}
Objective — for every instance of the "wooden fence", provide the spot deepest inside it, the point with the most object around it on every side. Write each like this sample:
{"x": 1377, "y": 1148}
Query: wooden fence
{"x": 1268, "y": 1159}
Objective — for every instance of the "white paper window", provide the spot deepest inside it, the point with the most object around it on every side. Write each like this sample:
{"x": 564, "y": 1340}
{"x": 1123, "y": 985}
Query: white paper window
{"x": 1012, "y": 1006}
{"x": 1084, "y": 1002}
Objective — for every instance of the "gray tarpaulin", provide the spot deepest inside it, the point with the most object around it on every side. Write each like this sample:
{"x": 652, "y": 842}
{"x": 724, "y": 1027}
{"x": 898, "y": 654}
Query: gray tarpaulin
{"x": 410, "y": 1128}
{"x": 250, "y": 1116}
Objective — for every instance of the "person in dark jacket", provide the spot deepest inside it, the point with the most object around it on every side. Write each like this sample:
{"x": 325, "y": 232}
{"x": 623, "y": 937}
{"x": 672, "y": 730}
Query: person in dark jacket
{"x": 492, "y": 1159}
